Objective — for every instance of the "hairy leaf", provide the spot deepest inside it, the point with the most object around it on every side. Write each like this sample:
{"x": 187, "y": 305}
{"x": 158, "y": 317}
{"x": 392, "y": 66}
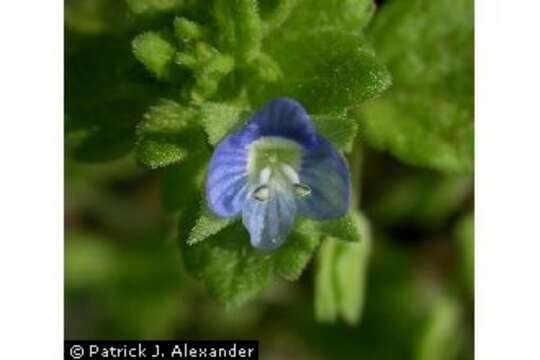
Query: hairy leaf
{"x": 427, "y": 117}
{"x": 339, "y": 128}
{"x": 329, "y": 70}
{"x": 219, "y": 119}
{"x": 155, "y": 52}
{"x": 234, "y": 272}
{"x": 347, "y": 228}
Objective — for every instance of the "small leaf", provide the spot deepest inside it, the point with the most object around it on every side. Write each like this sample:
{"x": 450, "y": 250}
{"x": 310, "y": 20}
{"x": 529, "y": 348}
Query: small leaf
{"x": 155, "y": 53}
{"x": 160, "y": 152}
{"x": 218, "y": 120}
{"x": 167, "y": 117}
{"x": 187, "y": 30}
{"x": 248, "y": 28}
{"x": 346, "y": 228}
{"x": 234, "y": 272}
{"x": 339, "y": 128}
{"x": 326, "y": 307}
{"x": 340, "y": 279}
{"x": 167, "y": 133}
{"x": 206, "y": 226}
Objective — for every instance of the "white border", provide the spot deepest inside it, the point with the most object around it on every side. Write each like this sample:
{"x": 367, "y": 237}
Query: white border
{"x": 507, "y": 180}
{"x": 31, "y": 188}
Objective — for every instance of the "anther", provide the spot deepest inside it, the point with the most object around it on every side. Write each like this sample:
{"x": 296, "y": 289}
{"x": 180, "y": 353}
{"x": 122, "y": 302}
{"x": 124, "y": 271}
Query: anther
{"x": 262, "y": 193}
{"x": 302, "y": 190}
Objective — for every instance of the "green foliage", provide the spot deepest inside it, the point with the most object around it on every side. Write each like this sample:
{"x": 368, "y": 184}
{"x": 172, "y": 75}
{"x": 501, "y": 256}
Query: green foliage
{"x": 441, "y": 338}
{"x": 218, "y": 119}
{"x": 427, "y": 117}
{"x": 155, "y": 52}
{"x": 342, "y": 136}
{"x": 340, "y": 278}
{"x": 347, "y": 228}
{"x": 464, "y": 234}
{"x": 206, "y": 226}
{"x": 330, "y": 69}
{"x": 233, "y": 271}
{"x": 173, "y": 78}
{"x": 153, "y": 6}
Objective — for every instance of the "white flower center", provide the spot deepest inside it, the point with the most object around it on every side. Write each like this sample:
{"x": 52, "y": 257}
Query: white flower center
{"x": 273, "y": 164}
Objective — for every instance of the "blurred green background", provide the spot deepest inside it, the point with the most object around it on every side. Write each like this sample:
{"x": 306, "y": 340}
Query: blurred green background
{"x": 124, "y": 277}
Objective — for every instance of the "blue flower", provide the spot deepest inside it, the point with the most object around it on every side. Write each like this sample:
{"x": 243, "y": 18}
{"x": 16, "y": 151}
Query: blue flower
{"x": 274, "y": 167}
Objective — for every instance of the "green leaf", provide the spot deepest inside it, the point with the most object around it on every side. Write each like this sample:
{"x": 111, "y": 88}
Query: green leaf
{"x": 339, "y": 128}
{"x": 329, "y": 71}
{"x": 248, "y": 28}
{"x": 340, "y": 278}
{"x": 426, "y": 118}
{"x": 206, "y": 226}
{"x": 155, "y": 52}
{"x": 347, "y": 228}
{"x": 351, "y": 15}
{"x": 166, "y": 135}
{"x": 234, "y": 272}
{"x": 219, "y": 119}
{"x": 153, "y": 6}
{"x": 441, "y": 338}
{"x": 187, "y": 30}
{"x": 167, "y": 117}
{"x": 160, "y": 152}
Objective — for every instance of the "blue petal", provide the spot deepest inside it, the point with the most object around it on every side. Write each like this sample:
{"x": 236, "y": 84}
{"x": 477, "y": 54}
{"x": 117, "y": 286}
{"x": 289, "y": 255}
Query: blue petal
{"x": 271, "y": 221}
{"x": 226, "y": 181}
{"x": 285, "y": 118}
{"x": 324, "y": 170}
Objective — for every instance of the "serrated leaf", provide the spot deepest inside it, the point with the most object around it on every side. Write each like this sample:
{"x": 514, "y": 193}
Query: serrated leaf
{"x": 206, "y": 226}
{"x": 167, "y": 117}
{"x": 161, "y": 152}
{"x": 155, "y": 52}
{"x": 218, "y": 119}
{"x": 329, "y": 70}
{"x": 167, "y": 133}
{"x": 340, "y": 278}
{"x": 346, "y": 228}
{"x": 234, "y": 272}
{"x": 427, "y": 117}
